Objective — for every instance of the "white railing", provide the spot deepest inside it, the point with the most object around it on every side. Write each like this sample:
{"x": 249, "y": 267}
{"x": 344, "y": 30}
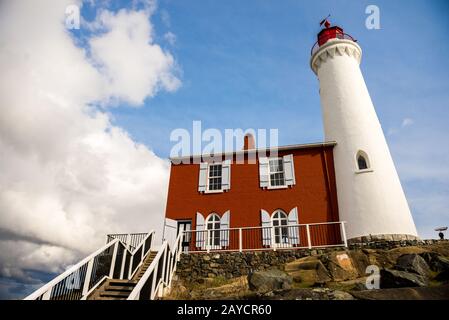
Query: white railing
{"x": 132, "y": 240}
{"x": 297, "y": 236}
{"x": 114, "y": 261}
{"x": 157, "y": 279}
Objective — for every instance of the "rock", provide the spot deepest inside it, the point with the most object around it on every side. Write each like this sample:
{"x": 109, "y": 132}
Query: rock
{"x": 309, "y": 271}
{"x": 443, "y": 277}
{"x": 340, "y": 266}
{"x": 341, "y": 295}
{"x": 269, "y": 280}
{"x": 360, "y": 261}
{"x": 397, "y": 279}
{"x": 413, "y": 263}
{"x": 419, "y": 293}
{"x": 234, "y": 289}
{"x": 436, "y": 262}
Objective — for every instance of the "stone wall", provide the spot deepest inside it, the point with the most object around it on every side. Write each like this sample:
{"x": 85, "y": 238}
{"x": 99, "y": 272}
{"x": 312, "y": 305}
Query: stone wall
{"x": 195, "y": 267}
{"x": 387, "y": 244}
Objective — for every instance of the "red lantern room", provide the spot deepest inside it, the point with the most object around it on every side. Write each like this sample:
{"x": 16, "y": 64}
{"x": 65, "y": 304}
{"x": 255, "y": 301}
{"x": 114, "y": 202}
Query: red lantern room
{"x": 329, "y": 33}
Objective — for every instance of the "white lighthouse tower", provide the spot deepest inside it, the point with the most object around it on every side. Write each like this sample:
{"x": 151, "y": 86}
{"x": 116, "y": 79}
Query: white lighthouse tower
{"x": 370, "y": 195}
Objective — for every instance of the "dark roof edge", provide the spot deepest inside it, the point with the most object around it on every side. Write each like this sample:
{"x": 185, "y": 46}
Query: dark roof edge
{"x": 282, "y": 148}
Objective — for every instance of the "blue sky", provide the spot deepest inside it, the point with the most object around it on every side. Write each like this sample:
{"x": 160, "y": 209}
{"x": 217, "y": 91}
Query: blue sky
{"x": 245, "y": 64}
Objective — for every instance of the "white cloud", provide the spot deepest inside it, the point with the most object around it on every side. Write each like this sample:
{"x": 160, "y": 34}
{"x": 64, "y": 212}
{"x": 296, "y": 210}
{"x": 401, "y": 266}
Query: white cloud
{"x": 165, "y": 17}
{"x": 134, "y": 66}
{"x": 170, "y": 38}
{"x": 407, "y": 122}
{"x": 68, "y": 176}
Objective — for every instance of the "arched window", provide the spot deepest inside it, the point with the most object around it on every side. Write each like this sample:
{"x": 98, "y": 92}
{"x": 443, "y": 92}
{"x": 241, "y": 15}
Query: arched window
{"x": 213, "y": 224}
{"x": 280, "y": 221}
{"x": 362, "y": 161}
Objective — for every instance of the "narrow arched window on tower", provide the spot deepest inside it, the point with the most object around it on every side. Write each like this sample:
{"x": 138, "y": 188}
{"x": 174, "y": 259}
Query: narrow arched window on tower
{"x": 362, "y": 160}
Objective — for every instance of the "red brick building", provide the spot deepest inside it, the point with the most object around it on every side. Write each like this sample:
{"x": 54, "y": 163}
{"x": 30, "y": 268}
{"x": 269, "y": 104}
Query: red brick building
{"x": 271, "y": 198}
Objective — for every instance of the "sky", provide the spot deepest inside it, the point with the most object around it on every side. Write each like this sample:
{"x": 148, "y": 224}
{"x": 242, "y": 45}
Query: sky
{"x": 86, "y": 114}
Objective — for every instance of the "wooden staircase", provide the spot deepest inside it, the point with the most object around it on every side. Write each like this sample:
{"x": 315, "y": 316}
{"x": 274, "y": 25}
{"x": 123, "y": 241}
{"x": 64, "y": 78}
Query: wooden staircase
{"x": 116, "y": 289}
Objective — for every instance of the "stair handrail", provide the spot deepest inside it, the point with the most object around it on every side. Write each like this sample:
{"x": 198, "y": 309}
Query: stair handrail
{"x": 145, "y": 252}
{"x": 164, "y": 264}
{"x": 85, "y": 266}
{"x": 45, "y": 288}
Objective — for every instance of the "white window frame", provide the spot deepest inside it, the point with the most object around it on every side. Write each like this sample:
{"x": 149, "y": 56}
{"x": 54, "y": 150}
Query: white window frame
{"x": 367, "y": 160}
{"x": 209, "y": 165}
{"x": 206, "y": 228}
{"x": 284, "y": 186}
{"x": 280, "y": 226}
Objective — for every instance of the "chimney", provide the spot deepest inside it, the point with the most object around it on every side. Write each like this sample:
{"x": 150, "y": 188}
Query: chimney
{"x": 248, "y": 142}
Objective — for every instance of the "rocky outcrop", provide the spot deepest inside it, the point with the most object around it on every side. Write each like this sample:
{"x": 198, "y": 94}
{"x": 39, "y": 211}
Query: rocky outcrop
{"x": 313, "y": 274}
{"x": 390, "y": 278}
{"x": 340, "y": 266}
{"x": 269, "y": 281}
{"x": 413, "y": 263}
{"x": 308, "y": 271}
{"x": 419, "y": 293}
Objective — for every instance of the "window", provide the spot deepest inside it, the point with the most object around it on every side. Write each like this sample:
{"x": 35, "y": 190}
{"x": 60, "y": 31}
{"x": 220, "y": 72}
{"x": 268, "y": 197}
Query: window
{"x": 213, "y": 224}
{"x": 362, "y": 161}
{"x": 277, "y": 176}
{"x": 280, "y": 227}
{"x": 215, "y": 177}
{"x": 276, "y": 173}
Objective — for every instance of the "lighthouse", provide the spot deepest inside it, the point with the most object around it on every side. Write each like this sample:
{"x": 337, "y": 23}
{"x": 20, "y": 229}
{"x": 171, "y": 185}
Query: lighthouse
{"x": 370, "y": 196}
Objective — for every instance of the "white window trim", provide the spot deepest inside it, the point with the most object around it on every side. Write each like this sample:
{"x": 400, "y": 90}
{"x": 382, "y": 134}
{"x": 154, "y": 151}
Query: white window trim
{"x": 364, "y": 171}
{"x": 274, "y": 244}
{"x": 209, "y": 164}
{"x": 206, "y": 221}
{"x": 285, "y": 186}
{"x": 368, "y": 162}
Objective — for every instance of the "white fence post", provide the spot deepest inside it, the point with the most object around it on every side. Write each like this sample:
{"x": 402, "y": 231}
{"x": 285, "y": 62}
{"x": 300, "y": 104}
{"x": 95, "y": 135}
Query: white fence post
{"x": 114, "y": 257}
{"x": 88, "y": 276}
{"x": 309, "y": 242}
{"x": 343, "y": 233}
{"x": 128, "y": 241}
{"x": 153, "y": 285}
{"x": 207, "y": 241}
{"x": 164, "y": 257}
{"x": 240, "y": 240}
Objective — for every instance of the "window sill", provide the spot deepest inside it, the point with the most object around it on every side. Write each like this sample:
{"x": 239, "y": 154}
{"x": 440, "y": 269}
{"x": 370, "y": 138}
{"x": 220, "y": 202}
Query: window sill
{"x": 363, "y": 171}
{"x": 213, "y": 191}
{"x": 277, "y": 187}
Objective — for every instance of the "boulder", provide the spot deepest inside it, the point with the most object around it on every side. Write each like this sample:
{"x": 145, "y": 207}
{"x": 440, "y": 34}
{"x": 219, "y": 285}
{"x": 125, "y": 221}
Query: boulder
{"x": 360, "y": 261}
{"x": 390, "y": 278}
{"x": 418, "y": 293}
{"x": 309, "y": 271}
{"x": 235, "y": 288}
{"x": 269, "y": 280}
{"x": 340, "y": 266}
{"x": 413, "y": 263}
{"x": 436, "y": 262}
{"x": 340, "y": 295}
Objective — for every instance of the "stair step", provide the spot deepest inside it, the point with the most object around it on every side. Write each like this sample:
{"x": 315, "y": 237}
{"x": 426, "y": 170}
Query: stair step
{"x": 114, "y": 294}
{"x": 119, "y": 288}
{"x": 122, "y": 284}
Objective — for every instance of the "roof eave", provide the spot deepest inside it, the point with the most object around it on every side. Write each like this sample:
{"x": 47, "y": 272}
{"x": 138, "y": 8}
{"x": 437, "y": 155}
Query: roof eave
{"x": 282, "y": 148}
